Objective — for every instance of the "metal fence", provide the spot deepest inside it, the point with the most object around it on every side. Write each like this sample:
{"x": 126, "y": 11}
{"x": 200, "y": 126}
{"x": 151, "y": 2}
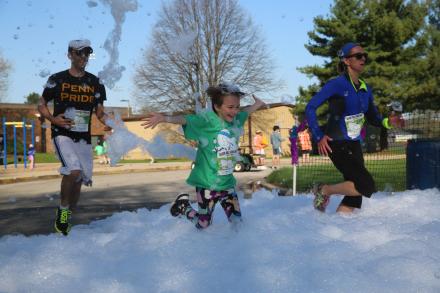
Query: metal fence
{"x": 384, "y": 154}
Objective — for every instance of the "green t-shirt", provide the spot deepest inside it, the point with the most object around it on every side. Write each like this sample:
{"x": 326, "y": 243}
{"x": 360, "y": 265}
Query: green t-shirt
{"x": 217, "y": 149}
{"x": 99, "y": 150}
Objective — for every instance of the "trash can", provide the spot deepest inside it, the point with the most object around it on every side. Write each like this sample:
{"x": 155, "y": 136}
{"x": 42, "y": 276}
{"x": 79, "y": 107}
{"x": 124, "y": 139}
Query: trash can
{"x": 423, "y": 163}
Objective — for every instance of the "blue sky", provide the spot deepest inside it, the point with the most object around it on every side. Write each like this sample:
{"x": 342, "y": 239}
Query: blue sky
{"x": 35, "y": 35}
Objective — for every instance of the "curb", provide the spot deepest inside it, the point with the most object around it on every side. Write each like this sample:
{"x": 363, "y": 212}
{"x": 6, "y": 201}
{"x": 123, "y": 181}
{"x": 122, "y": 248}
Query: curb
{"x": 12, "y": 180}
{"x": 253, "y": 186}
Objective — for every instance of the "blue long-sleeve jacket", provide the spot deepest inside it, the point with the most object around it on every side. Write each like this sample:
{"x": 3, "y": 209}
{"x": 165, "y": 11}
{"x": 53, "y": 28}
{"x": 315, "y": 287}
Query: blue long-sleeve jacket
{"x": 345, "y": 101}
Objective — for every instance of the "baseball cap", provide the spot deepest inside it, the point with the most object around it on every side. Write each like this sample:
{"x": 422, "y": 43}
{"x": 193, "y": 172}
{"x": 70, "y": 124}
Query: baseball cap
{"x": 345, "y": 50}
{"x": 80, "y": 44}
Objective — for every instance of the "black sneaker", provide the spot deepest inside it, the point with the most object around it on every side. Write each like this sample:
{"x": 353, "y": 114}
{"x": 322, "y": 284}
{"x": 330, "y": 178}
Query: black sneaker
{"x": 179, "y": 206}
{"x": 62, "y": 224}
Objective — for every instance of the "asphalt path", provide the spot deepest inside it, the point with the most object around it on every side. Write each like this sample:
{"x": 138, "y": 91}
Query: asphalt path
{"x": 28, "y": 208}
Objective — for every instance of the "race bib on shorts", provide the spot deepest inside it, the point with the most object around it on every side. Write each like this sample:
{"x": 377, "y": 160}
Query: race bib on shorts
{"x": 354, "y": 124}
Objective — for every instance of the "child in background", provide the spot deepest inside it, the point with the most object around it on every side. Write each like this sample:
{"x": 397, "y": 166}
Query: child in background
{"x": 31, "y": 156}
{"x": 217, "y": 133}
{"x": 306, "y": 144}
{"x": 99, "y": 150}
{"x": 275, "y": 141}
{"x": 259, "y": 145}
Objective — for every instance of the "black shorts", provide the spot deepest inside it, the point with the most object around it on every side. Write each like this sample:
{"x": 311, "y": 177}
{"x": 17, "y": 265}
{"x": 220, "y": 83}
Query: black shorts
{"x": 348, "y": 159}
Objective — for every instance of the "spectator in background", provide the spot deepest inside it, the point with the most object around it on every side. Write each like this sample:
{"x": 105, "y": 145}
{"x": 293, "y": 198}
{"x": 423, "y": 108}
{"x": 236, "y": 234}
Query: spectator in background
{"x": 99, "y": 151}
{"x": 293, "y": 137}
{"x": 105, "y": 150}
{"x": 305, "y": 143}
{"x": 275, "y": 141}
{"x": 31, "y": 156}
{"x": 259, "y": 145}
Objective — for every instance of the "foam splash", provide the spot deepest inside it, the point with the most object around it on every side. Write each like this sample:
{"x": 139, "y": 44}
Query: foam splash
{"x": 112, "y": 71}
{"x": 183, "y": 43}
{"x": 122, "y": 141}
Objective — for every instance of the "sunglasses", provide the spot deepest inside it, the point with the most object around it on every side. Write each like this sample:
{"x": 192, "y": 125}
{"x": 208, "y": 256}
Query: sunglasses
{"x": 85, "y": 52}
{"x": 358, "y": 56}
{"x": 231, "y": 89}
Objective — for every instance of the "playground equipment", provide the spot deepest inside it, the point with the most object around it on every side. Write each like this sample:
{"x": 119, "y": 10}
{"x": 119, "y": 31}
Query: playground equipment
{"x": 15, "y": 125}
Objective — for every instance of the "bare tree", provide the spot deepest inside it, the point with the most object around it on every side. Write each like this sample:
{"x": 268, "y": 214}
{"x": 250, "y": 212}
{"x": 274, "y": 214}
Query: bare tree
{"x": 4, "y": 73}
{"x": 197, "y": 43}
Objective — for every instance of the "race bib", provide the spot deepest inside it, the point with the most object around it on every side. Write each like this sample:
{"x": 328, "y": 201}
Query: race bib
{"x": 80, "y": 118}
{"x": 227, "y": 152}
{"x": 354, "y": 124}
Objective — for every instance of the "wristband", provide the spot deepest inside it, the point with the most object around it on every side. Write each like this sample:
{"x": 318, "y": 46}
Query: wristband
{"x": 386, "y": 123}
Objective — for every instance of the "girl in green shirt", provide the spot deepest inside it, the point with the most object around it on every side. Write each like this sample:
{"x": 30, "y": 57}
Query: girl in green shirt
{"x": 217, "y": 133}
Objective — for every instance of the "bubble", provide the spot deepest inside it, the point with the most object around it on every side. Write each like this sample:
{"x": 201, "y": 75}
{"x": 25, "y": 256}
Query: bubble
{"x": 91, "y": 3}
{"x": 50, "y": 84}
{"x": 44, "y": 73}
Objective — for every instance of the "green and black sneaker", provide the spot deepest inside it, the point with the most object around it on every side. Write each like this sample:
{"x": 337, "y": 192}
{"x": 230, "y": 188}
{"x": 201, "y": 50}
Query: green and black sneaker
{"x": 62, "y": 224}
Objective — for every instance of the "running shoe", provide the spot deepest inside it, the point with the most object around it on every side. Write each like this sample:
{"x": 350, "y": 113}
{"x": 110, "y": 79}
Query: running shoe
{"x": 321, "y": 201}
{"x": 178, "y": 207}
{"x": 62, "y": 224}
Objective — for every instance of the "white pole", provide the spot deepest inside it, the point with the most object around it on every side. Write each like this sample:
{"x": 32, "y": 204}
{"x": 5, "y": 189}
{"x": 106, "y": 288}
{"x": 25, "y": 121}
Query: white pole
{"x": 294, "y": 180}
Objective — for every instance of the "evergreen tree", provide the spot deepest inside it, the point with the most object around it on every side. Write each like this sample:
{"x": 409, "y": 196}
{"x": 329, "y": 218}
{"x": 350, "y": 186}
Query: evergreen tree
{"x": 389, "y": 30}
{"x": 421, "y": 86}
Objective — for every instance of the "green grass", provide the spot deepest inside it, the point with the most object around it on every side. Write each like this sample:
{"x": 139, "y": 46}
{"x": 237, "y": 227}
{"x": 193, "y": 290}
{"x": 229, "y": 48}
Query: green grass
{"x": 45, "y": 158}
{"x": 389, "y": 174}
{"x": 39, "y": 158}
{"x": 52, "y": 158}
{"x": 157, "y": 160}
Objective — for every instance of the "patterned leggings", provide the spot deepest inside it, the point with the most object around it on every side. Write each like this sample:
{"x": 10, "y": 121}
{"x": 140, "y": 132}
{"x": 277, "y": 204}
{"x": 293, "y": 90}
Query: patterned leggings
{"x": 203, "y": 217}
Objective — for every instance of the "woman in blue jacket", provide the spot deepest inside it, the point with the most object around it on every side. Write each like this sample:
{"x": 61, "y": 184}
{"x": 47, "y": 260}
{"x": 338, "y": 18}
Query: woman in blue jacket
{"x": 350, "y": 103}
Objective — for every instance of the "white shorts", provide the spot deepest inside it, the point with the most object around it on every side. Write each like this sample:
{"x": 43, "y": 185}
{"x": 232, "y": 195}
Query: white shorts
{"x": 74, "y": 156}
{"x": 260, "y": 152}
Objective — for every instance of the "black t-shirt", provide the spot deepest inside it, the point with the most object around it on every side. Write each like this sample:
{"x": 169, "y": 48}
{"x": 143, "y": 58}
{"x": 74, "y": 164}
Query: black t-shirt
{"x": 79, "y": 96}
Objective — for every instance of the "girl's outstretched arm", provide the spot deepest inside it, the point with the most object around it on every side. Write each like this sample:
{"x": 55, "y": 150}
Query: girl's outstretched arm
{"x": 153, "y": 119}
{"x": 257, "y": 105}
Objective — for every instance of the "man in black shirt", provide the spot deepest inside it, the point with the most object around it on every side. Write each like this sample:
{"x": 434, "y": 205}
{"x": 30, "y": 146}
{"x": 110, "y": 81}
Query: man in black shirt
{"x": 75, "y": 94}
